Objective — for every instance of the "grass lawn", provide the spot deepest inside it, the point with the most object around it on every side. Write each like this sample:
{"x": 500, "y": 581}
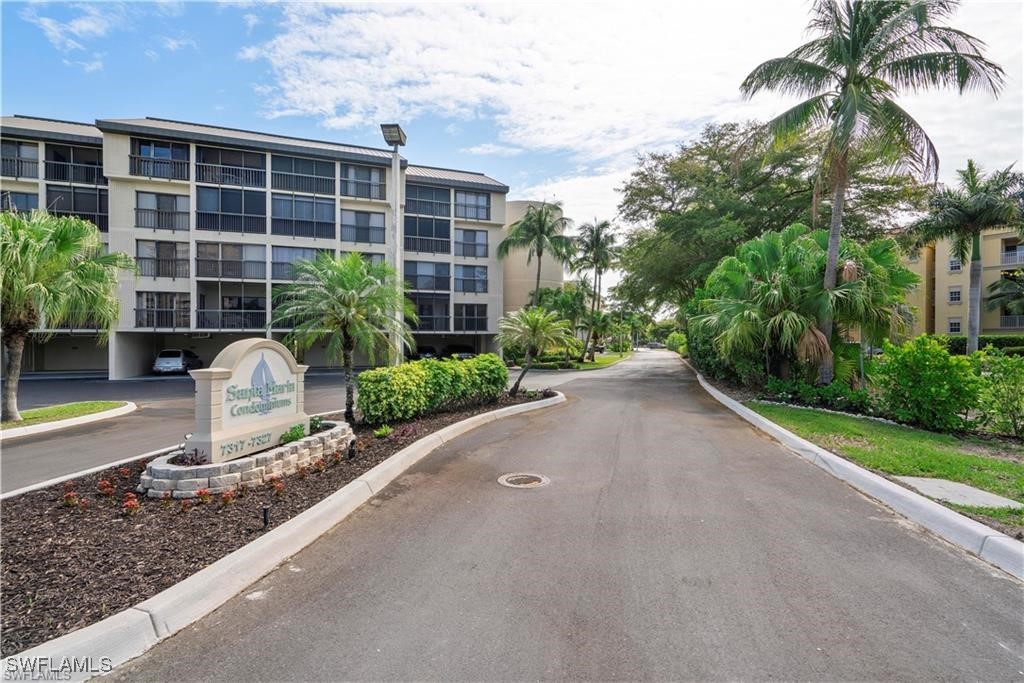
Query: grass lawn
{"x": 61, "y": 412}
{"x": 993, "y": 465}
{"x": 603, "y": 360}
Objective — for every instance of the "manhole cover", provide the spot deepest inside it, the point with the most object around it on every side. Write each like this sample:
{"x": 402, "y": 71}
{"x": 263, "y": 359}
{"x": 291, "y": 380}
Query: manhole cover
{"x": 522, "y": 480}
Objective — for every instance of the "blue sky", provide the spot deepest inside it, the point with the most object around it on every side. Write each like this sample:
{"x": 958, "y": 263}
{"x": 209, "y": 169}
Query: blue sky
{"x": 554, "y": 99}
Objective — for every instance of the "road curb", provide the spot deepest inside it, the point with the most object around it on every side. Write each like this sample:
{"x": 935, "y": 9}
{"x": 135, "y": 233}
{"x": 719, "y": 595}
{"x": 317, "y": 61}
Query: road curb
{"x": 19, "y": 432}
{"x": 982, "y": 541}
{"x": 131, "y": 632}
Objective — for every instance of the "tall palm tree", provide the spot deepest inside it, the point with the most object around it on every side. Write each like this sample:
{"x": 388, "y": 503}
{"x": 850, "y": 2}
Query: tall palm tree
{"x": 53, "y": 273}
{"x": 540, "y": 232}
{"x": 351, "y": 303}
{"x": 597, "y": 250}
{"x": 865, "y": 53}
{"x": 1007, "y": 293}
{"x": 534, "y": 329}
{"x": 963, "y": 214}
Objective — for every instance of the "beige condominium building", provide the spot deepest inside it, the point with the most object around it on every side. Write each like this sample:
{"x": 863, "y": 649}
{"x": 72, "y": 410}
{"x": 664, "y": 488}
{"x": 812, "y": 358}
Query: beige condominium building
{"x": 941, "y": 298}
{"x": 216, "y": 217}
{"x": 520, "y": 273}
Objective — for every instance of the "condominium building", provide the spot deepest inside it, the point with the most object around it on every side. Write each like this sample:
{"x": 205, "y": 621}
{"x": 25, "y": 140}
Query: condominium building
{"x": 941, "y": 298}
{"x": 216, "y": 217}
{"x": 520, "y": 271}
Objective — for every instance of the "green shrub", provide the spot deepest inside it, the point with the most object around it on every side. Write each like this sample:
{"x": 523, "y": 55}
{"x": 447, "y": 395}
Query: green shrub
{"x": 442, "y": 381}
{"x": 393, "y": 394}
{"x": 316, "y": 423}
{"x": 835, "y": 396}
{"x": 677, "y": 342}
{"x": 958, "y": 345}
{"x": 1013, "y": 350}
{"x": 1002, "y": 393}
{"x": 922, "y": 384}
{"x": 383, "y": 432}
{"x": 493, "y": 375}
{"x": 293, "y": 433}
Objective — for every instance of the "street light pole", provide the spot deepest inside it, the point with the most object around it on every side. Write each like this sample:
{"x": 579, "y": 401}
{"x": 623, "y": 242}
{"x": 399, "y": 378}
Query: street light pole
{"x": 395, "y": 136}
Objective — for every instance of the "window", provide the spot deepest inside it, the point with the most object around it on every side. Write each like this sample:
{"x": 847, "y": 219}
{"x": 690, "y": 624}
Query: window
{"x": 230, "y": 157}
{"x": 161, "y": 211}
{"x": 13, "y": 149}
{"x": 284, "y": 257}
{"x": 69, "y": 164}
{"x": 366, "y": 182}
{"x": 215, "y": 259}
{"x": 471, "y": 243}
{"x": 426, "y": 275}
{"x": 230, "y": 167}
{"x": 362, "y": 226}
{"x": 954, "y": 295}
{"x": 162, "y": 259}
{"x": 220, "y": 208}
{"x": 19, "y": 159}
{"x": 428, "y": 235}
{"x": 954, "y": 265}
{"x": 159, "y": 159}
{"x": 954, "y": 326}
{"x": 432, "y": 310}
{"x": 429, "y": 201}
{"x": 302, "y": 216}
{"x": 470, "y": 317}
{"x": 162, "y": 309}
{"x": 89, "y": 203}
{"x": 473, "y": 205}
{"x": 302, "y": 175}
{"x": 19, "y": 201}
{"x": 471, "y": 279}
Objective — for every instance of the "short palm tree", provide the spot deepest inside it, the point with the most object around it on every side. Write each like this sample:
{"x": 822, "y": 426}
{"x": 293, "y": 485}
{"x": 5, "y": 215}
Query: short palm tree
{"x": 597, "y": 250}
{"x": 535, "y": 329}
{"x": 540, "y": 232}
{"x": 865, "y": 53}
{"x": 1007, "y": 293}
{"x": 962, "y": 214}
{"x": 53, "y": 273}
{"x": 599, "y": 324}
{"x": 350, "y": 302}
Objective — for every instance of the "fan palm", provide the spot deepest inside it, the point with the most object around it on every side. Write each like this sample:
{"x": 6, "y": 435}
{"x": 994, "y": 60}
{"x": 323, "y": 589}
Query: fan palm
{"x": 536, "y": 330}
{"x": 865, "y": 53}
{"x": 53, "y": 273}
{"x": 962, "y": 214}
{"x": 351, "y": 303}
{"x": 597, "y": 250}
{"x": 539, "y": 232}
{"x": 1007, "y": 293}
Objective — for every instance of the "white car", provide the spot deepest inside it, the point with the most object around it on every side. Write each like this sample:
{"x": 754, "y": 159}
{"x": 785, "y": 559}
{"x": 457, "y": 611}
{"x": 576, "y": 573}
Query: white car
{"x": 175, "y": 361}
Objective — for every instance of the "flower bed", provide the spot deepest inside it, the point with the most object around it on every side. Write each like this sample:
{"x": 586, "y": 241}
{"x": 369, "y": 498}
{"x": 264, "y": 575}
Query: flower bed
{"x": 78, "y": 552}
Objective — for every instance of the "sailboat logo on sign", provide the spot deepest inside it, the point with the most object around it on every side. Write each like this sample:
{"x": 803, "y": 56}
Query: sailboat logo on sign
{"x": 262, "y": 382}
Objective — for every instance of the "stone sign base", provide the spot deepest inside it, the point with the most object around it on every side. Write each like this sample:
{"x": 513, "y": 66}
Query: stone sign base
{"x": 184, "y": 480}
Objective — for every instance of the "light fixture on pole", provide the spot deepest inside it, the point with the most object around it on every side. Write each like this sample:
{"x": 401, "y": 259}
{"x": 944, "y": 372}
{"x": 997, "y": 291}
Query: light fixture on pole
{"x": 395, "y": 136}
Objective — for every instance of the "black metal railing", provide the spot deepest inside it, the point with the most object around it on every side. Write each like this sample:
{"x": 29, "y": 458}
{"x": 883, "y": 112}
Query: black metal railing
{"x": 19, "y": 167}
{"x": 363, "y": 189}
{"x": 429, "y": 282}
{"x": 83, "y": 323}
{"x": 471, "y": 285}
{"x": 361, "y": 234}
{"x": 67, "y": 172}
{"x": 282, "y": 270}
{"x": 295, "y": 227}
{"x": 433, "y": 323}
{"x": 471, "y": 249}
{"x": 171, "y": 318}
{"x": 428, "y": 245}
{"x": 207, "y": 319}
{"x": 296, "y": 182}
{"x": 162, "y": 267}
{"x": 161, "y": 220}
{"x": 428, "y": 207}
{"x": 231, "y": 222}
{"x": 473, "y": 212}
{"x": 239, "y": 270}
{"x": 472, "y": 323}
{"x": 151, "y": 167}
{"x": 100, "y": 220}
{"x": 221, "y": 174}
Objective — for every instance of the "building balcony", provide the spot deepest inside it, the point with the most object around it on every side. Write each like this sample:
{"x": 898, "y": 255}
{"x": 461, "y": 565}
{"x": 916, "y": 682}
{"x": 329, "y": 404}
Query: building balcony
{"x": 161, "y": 220}
{"x": 428, "y": 245}
{"x": 238, "y": 176}
{"x": 82, "y": 324}
{"x": 428, "y": 207}
{"x": 436, "y": 283}
{"x": 363, "y": 189}
{"x": 1012, "y": 258}
{"x": 470, "y": 323}
{"x": 67, "y": 172}
{"x": 471, "y": 249}
{"x": 162, "y": 318}
{"x": 362, "y": 235}
{"x": 162, "y": 267}
{"x": 294, "y": 182}
{"x": 1011, "y": 322}
{"x": 18, "y": 167}
{"x": 152, "y": 167}
{"x": 231, "y": 320}
{"x": 433, "y": 323}
{"x": 470, "y": 285}
{"x": 473, "y": 212}
{"x": 219, "y": 269}
{"x": 282, "y": 270}
{"x": 231, "y": 222}
{"x": 293, "y": 227}
{"x": 100, "y": 220}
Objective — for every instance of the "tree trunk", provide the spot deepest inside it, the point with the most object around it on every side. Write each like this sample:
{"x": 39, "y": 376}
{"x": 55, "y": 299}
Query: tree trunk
{"x": 536, "y": 288}
{"x": 15, "y": 344}
{"x": 350, "y": 413}
{"x": 974, "y": 295}
{"x": 526, "y": 368}
{"x": 593, "y": 309}
{"x": 825, "y": 371}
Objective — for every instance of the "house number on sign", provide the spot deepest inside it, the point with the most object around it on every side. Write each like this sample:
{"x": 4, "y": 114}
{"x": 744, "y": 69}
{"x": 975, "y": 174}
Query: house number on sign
{"x": 233, "y": 447}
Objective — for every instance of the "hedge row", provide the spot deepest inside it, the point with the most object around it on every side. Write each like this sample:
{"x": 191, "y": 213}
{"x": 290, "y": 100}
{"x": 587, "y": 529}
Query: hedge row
{"x": 958, "y": 345}
{"x": 392, "y": 394}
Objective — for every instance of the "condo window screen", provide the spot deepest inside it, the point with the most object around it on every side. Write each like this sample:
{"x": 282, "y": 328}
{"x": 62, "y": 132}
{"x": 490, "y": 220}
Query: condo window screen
{"x": 161, "y": 202}
{"x": 428, "y": 201}
{"x": 164, "y": 301}
{"x": 416, "y": 226}
{"x": 954, "y": 325}
{"x": 471, "y": 279}
{"x": 473, "y": 205}
{"x": 230, "y": 252}
{"x": 293, "y": 254}
{"x": 223, "y": 200}
{"x": 470, "y": 317}
{"x": 230, "y": 157}
{"x": 160, "y": 149}
{"x": 361, "y": 181}
{"x": 161, "y": 250}
{"x": 12, "y": 149}
{"x": 66, "y": 154}
{"x": 302, "y": 208}
{"x": 362, "y": 226}
{"x": 299, "y": 166}
{"x": 19, "y": 201}
{"x": 471, "y": 243}
{"x": 79, "y": 200}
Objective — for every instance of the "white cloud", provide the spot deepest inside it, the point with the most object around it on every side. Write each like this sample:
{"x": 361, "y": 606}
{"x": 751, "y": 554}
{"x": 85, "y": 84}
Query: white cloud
{"x": 489, "y": 148}
{"x": 250, "y": 21}
{"x": 91, "y": 21}
{"x": 88, "y": 66}
{"x": 174, "y": 44}
{"x": 153, "y": 55}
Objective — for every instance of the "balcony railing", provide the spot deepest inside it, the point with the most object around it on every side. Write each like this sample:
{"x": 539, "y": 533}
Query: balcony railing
{"x": 471, "y": 323}
{"x": 240, "y": 176}
{"x": 363, "y": 189}
{"x": 470, "y": 249}
{"x": 433, "y": 323}
{"x": 161, "y": 220}
{"x": 282, "y": 270}
{"x": 1011, "y": 258}
{"x": 1011, "y": 322}
{"x": 162, "y": 267}
{"x": 231, "y": 320}
{"x": 237, "y": 270}
{"x": 18, "y": 167}
{"x": 428, "y": 207}
{"x": 170, "y": 318}
{"x": 428, "y": 245}
{"x": 473, "y": 212}
{"x": 67, "y": 172}
{"x": 362, "y": 235}
{"x": 98, "y": 219}
{"x": 295, "y": 182}
{"x": 150, "y": 167}
{"x": 301, "y": 228}
{"x": 428, "y": 282}
{"x": 231, "y": 222}
{"x": 470, "y": 285}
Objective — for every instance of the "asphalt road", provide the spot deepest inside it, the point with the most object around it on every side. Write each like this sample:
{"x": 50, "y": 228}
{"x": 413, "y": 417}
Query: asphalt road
{"x": 673, "y": 542}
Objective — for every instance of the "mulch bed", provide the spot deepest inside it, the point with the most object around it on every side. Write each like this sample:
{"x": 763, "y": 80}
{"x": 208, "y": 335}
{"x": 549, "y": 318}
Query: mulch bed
{"x": 65, "y": 567}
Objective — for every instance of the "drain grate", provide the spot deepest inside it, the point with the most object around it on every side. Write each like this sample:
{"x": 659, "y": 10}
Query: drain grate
{"x": 523, "y": 480}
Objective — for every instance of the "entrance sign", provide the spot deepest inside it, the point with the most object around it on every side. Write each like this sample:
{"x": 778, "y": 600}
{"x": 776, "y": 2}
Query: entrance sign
{"x": 250, "y": 395}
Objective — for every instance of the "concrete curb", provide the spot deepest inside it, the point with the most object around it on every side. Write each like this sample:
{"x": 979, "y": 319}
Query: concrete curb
{"x": 130, "y": 633}
{"x": 18, "y": 432}
{"x": 974, "y": 537}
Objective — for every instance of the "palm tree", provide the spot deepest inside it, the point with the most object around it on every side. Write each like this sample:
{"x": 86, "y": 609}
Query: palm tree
{"x": 963, "y": 214}
{"x": 53, "y": 273}
{"x": 1007, "y": 293}
{"x": 597, "y": 251}
{"x": 350, "y": 302}
{"x": 539, "y": 231}
{"x": 865, "y": 53}
{"x": 534, "y": 329}
{"x": 598, "y": 324}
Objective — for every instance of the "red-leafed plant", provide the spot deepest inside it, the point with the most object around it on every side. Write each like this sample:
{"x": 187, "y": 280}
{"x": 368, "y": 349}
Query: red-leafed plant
{"x": 204, "y": 496}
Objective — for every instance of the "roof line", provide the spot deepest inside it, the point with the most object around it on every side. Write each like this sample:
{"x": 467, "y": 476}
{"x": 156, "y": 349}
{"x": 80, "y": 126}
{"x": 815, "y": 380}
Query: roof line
{"x": 453, "y": 170}
{"x": 45, "y": 118}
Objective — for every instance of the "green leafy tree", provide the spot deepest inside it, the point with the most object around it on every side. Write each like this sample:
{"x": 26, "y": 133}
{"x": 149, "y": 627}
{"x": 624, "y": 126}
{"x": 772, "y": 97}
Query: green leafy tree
{"x": 536, "y": 330}
{"x": 349, "y": 302}
{"x": 53, "y": 273}
{"x": 962, "y": 214}
{"x": 597, "y": 250}
{"x": 1007, "y": 293}
{"x": 540, "y": 232}
{"x": 864, "y": 54}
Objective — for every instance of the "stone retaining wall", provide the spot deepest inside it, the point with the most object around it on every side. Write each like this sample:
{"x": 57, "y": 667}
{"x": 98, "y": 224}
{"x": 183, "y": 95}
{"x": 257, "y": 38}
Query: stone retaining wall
{"x": 183, "y": 481}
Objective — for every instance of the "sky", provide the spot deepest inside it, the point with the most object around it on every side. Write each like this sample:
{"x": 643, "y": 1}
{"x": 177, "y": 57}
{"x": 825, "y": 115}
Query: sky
{"x": 555, "y": 99}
